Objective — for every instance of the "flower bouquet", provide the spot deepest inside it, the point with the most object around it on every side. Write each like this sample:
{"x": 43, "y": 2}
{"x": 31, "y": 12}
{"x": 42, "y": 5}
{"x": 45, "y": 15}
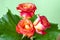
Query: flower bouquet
{"x": 27, "y": 26}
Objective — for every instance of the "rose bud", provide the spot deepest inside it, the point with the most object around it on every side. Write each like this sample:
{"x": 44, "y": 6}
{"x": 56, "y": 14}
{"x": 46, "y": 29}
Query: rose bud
{"x": 41, "y": 24}
{"x": 25, "y": 27}
{"x": 26, "y": 9}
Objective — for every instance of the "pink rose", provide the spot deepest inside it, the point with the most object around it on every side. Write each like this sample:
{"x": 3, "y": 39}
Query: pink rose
{"x": 41, "y": 24}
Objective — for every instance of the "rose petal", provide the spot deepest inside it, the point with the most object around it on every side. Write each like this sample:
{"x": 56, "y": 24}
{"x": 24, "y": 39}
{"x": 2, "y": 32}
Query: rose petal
{"x": 41, "y": 32}
{"x": 26, "y": 14}
{"x": 44, "y": 21}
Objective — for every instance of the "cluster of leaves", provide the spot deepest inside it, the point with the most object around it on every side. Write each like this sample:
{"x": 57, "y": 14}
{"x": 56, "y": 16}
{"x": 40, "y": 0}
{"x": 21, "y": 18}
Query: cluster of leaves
{"x": 8, "y": 29}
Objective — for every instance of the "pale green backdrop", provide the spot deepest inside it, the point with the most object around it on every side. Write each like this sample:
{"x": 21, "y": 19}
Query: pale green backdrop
{"x": 49, "y": 8}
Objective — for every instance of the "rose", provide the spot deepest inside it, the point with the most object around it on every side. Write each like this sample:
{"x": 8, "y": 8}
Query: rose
{"x": 41, "y": 24}
{"x": 25, "y": 27}
{"x": 26, "y": 10}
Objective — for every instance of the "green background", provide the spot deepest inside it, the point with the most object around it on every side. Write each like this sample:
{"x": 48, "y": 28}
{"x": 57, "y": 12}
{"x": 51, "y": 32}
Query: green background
{"x": 49, "y": 8}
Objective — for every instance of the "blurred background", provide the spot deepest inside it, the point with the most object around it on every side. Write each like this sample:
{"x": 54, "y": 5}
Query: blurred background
{"x": 49, "y": 8}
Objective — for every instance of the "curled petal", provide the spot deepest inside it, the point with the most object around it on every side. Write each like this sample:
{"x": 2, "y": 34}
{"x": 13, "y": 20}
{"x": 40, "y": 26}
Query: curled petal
{"x": 41, "y": 32}
{"x": 25, "y": 27}
{"x": 44, "y": 21}
{"x": 41, "y": 24}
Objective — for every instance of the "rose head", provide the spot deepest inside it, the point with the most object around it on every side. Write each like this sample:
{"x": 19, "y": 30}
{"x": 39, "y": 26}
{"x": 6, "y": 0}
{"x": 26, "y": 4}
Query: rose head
{"x": 26, "y": 9}
{"x": 41, "y": 24}
{"x": 25, "y": 27}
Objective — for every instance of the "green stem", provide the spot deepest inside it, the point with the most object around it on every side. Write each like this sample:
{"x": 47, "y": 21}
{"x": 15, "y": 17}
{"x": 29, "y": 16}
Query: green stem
{"x": 22, "y": 37}
{"x": 31, "y": 38}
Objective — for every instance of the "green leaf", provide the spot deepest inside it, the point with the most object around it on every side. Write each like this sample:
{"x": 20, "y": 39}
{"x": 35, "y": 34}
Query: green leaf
{"x": 52, "y": 33}
{"x": 33, "y": 18}
{"x": 8, "y": 27}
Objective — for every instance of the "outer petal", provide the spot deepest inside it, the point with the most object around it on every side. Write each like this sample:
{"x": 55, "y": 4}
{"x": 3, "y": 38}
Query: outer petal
{"x": 25, "y": 27}
{"x": 41, "y": 24}
{"x": 41, "y": 32}
{"x": 27, "y": 14}
{"x": 45, "y": 22}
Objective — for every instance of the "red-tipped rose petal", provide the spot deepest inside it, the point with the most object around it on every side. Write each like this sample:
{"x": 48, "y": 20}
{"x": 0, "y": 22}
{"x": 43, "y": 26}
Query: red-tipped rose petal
{"x": 25, "y": 27}
{"x": 44, "y": 21}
